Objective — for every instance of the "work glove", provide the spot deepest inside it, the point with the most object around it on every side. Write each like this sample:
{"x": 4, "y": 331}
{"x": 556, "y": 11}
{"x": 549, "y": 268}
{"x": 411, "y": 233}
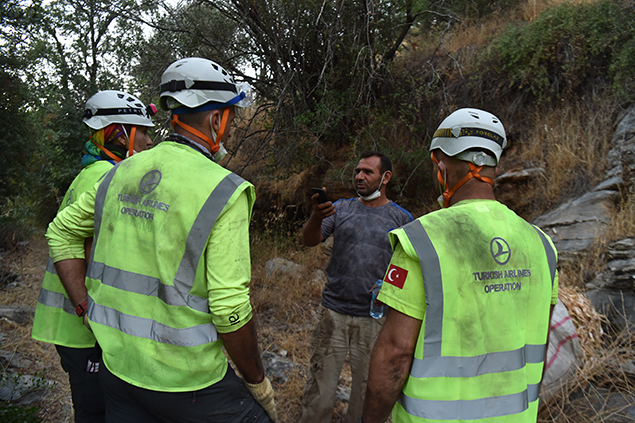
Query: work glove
{"x": 263, "y": 394}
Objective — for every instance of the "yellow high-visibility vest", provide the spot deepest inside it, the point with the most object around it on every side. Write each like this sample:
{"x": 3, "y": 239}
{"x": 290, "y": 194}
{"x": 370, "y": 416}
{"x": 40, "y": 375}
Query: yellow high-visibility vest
{"x": 488, "y": 277}
{"x": 55, "y": 319}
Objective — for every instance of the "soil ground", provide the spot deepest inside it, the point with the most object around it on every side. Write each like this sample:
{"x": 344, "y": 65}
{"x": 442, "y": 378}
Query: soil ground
{"x": 284, "y": 324}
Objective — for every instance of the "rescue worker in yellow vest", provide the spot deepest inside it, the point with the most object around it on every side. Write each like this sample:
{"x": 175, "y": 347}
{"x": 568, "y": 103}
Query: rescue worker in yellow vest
{"x": 119, "y": 123}
{"x": 470, "y": 289}
{"x": 167, "y": 285}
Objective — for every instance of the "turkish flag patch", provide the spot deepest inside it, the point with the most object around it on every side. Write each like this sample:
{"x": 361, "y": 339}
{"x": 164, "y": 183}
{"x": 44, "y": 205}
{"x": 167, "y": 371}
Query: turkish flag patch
{"x": 396, "y": 276}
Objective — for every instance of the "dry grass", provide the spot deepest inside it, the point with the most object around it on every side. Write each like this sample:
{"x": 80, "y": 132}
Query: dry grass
{"x": 623, "y": 222}
{"x": 531, "y": 9}
{"x": 599, "y": 391}
{"x": 570, "y": 144}
{"x": 587, "y": 320}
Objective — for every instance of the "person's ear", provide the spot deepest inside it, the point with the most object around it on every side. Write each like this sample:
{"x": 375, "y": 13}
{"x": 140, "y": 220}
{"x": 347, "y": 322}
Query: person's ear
{"x": 122, "y": 139}
{"x": 387, "y": 176}
{"x": 441, "y": 171}
{"x": 215, "y": 117}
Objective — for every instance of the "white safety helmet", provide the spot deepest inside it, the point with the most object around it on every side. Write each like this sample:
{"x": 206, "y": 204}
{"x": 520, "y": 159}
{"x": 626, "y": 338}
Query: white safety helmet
{"x": 193, "y": 82}
{"x": 467, "y": 132}
{"x": 112, "y": 106}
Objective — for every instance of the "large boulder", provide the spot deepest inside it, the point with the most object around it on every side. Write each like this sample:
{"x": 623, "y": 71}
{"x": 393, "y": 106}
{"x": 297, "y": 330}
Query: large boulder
{"x": 620, "y": 161}
{"x": 612, "y": 292}
{"x": 576, "y": 224}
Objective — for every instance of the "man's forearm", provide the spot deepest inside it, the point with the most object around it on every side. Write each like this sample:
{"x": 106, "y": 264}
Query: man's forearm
{"x": 387, "y": 377}
{"x": 390, "y": 365}
{"x": 72, "y": 273}
{"x": 242, "y": 347}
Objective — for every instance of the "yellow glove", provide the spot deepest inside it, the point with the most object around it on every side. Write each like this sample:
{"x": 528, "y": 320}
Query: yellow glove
{"x": 263, "y": 394}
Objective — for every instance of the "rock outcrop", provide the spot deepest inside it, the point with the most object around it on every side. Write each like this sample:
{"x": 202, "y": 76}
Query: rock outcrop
{"x": 577, "y": 224}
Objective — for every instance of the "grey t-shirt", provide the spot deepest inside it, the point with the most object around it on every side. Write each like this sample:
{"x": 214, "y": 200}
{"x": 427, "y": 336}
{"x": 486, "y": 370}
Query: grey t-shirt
{"x": 361, "y": 252}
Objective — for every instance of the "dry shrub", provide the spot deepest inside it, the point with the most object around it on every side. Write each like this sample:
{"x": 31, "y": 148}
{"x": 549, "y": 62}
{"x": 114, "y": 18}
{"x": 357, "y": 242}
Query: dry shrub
{"x": 607, "y": 367}
{"x": 285, "y": 307}
{"x": 587, "y": 320}
{"x": 623, "y": 222}
{"x": 599, "y": 391}
{"x": 570, "y": 144}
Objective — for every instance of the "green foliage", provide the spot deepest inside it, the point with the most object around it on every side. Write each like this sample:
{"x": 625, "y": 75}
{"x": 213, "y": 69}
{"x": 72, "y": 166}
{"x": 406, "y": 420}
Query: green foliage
{"x": 10, "y": 413}
{"x": 567, "y": 47}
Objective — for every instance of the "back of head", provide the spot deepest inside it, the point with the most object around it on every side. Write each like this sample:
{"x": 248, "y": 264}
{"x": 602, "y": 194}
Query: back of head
{"x": 195, "y": 84}
{"x": 113, "y": 106}
{"x": 471, "y": 135}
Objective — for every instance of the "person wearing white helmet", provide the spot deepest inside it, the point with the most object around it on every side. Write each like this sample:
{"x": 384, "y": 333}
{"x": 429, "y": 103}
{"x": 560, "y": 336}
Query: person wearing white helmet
{"x": 168, "y": 283}
{"x": 470, "y": 288}
{"x": 118, "y": 121}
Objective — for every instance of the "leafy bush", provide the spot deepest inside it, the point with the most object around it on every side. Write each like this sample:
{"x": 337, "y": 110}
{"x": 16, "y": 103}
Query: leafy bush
{"x": 567, "y": 47}
{"x": 10, "y": 413}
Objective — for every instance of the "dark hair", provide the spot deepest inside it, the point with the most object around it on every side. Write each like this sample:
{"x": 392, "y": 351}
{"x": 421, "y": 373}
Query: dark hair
{"x": 386, "y": 164}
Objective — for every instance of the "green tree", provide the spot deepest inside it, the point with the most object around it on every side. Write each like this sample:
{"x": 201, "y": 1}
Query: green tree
{"x": 80, "y": 47}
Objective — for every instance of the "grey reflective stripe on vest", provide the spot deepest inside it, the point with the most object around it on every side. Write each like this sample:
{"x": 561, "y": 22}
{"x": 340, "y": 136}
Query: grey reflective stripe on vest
{"x": 151, "y": 329}
{"x": 481, "y": 408}
{"x": 52, "y": 298}
{"x": 201, "y": 229}
{"x": 497, "y": 362}
{"x": 50, "y": 267}
{"x": 146, "y": 285}
{"x": 431, "y": 272}
{"x": 100, "y": 198}
{"x": 57, "y": 300}
{"x": 551, "y": 255}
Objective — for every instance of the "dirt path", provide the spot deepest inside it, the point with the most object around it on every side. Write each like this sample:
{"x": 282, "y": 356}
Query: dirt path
{"x": 29, "y": 262}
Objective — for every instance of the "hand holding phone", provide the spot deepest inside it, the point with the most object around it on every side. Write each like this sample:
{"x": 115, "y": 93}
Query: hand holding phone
{"x": 322, "y": 198}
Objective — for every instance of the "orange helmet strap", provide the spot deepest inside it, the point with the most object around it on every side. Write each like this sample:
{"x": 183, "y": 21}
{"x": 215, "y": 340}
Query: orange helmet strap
{"x": 106, "y": 151}
{"x": 131, "y": 140}
{"x": 223, "y": 126}
{"x": 473, "y": 173}
{"x": 176, "y": 121}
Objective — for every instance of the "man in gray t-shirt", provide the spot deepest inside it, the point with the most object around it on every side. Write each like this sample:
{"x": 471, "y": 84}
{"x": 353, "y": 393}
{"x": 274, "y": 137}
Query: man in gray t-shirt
{"x": 360, "y": 256}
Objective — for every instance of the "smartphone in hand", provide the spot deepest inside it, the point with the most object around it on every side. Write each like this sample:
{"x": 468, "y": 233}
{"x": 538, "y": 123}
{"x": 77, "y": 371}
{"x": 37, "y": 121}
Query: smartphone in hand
{"x": 322, "y": 197}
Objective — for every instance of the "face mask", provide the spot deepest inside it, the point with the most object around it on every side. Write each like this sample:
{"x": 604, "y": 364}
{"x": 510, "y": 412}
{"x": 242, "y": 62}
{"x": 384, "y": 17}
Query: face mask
{"x": 375, "y": 194}
{"x": 221, "y": 152}
{"x": 442, "y": 187}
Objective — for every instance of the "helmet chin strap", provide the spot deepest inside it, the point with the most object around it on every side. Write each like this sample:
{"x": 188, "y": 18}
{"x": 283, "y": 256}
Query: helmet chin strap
{"x": 106, "y": 151}
{"x": 213, "y": 145}
{"x": 448, "y": 193}
{"x": 133, "y": 132}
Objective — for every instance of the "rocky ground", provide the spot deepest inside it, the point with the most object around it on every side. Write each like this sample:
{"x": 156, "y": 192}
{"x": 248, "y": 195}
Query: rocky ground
{"x": 31, "y": 373}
